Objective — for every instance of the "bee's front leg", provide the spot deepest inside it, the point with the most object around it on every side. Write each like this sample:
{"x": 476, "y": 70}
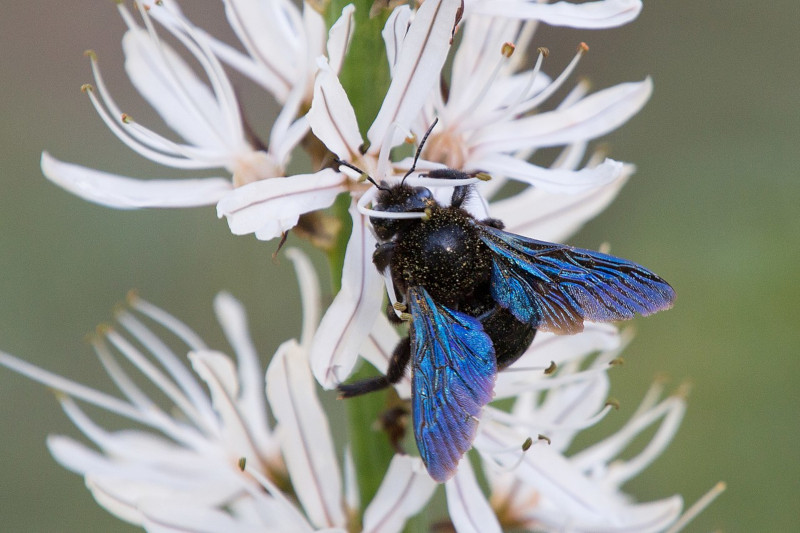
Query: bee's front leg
{"x": 395, "y": 372}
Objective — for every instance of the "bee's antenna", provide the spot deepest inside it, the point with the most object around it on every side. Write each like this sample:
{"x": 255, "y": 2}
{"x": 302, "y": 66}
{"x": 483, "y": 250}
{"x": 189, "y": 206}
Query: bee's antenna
{"x": 419, "y": 149}
{"x": 366, "y": 176}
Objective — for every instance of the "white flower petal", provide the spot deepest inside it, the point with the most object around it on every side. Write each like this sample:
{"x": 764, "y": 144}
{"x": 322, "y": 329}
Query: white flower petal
{"x": 589, "y": 15}
{"x": 350, "y": 317}
{"x": 305, "y": 436}
{"x": 538, "y": 214}
{"x": 121, "y": 192}
{"x": 339, "y": 37}
{"x": 331, "y": 116}
{"x": 469, "y": 510}
{"x": 591, "y": 117}
{"x": 405, "y": 489}
{"x": 272, "y": 33}
{"x": 219, "y": 373}
{"x": 417, "y": 70}
{"x": 170, "y": 517}
{"x": 552, "y": 180}
{"x": 185, "y": 103}
{"x": 252, "y": 403}
{"x": 394, "y": 33}
{"x": 257, "y": 206}
{"x": 378, "y": 348}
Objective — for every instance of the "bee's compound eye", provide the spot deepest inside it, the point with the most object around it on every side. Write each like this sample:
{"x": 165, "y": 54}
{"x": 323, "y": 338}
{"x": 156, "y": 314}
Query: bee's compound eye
{"x": 419, "y": 199}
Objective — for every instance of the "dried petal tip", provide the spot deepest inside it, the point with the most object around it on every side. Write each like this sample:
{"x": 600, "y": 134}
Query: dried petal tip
{"x": 87, "y": 87}
{"x": 551, "y": 369}
{"x": 132, "y": 297}
{"x": 544, "y": 51}
{"x": 613, "y": 402}
{"x": 583, "y": 48}
{"x": 683, "y": 390}
{"x": 507, "y": 49}
{"x": 103, "y": 329}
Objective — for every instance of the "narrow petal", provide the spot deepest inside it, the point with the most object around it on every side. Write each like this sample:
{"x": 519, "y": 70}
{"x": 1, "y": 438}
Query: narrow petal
{"x": 219, "y": 373}
{"x": 271, "y": 32}
{"x": 350, "y": 317}
{"x": 552, "y": 180}
{"x": 417, "y": 71}
{"x": 468, "y": 508}
{"x": 331, "y": 116}
{"x": 257, "y": 206}
{"x": 339, "y": 37}
{"x": 538, "y": 214}
{"x": 233, "y": 319}
{"x": 405, "y": 489}
{"x": 394, "y": 33}
{"x": 185, "y": 103}
{"x": 591, "y": 117}
{"x": 170, "y": 517}
{"x": 588, "y": 15}
{"x": 305, "y": 436}
{"x": 120, "y": 192}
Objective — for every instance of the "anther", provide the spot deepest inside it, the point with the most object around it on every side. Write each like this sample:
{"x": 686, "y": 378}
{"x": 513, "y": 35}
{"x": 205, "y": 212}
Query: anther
{"x": 507, "y": 50}
{"x": 426, "y": 214}
{"x": 613, "y": 402}
{"x": 683, "y": 390}
{"x": 242, "y": 463}
{"x": 90, "y": 54}
{"x": 544, "y": 438}
{"x": 551, "y": 369}
{"x": 87, "y": 87}
{"x": 544, "y": 51}
{"x": 527, "y": 444}
{"x": 583, "y": 48}
{"x": 399, "y": 306}
{"x": 483, "y": 176}
{"x": 617, "y": 361}
{"x": 405, "y": 316}
{"x": 126, "y": 118}
{"x": 132, "y": 297}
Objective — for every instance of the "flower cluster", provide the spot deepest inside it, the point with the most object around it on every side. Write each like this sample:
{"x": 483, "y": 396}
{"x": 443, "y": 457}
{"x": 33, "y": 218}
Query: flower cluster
{"x": 215, "y": 453}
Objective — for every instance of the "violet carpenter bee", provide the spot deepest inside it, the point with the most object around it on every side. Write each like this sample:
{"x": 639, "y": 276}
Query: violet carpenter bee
{"x": 476, "y": 295}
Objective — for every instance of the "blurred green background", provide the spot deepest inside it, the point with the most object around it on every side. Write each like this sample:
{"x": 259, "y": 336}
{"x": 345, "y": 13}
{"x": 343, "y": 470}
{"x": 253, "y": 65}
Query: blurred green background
{"x": 714, "y": 208}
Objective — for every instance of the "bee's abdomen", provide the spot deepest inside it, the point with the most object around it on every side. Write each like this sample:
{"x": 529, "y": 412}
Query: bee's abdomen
{"x": 445, "y": 255}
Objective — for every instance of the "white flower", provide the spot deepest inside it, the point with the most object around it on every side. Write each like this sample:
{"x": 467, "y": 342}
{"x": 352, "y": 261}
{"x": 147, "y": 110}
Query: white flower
{"x": 210, "y": 461}
{"x": 205, "y": 114}
{"x": 333, "y": 121}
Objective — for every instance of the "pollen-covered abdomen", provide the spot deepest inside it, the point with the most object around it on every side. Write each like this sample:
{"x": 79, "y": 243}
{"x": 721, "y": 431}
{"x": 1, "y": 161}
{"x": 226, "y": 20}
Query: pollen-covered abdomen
{"x": 444, "y": 255}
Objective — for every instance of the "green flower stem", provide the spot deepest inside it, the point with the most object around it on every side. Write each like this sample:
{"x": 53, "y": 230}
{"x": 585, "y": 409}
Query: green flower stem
{"x": 365, "y": 78}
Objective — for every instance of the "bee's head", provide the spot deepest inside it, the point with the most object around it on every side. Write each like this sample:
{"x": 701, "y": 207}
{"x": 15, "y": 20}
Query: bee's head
{"x": 399, "y": 199}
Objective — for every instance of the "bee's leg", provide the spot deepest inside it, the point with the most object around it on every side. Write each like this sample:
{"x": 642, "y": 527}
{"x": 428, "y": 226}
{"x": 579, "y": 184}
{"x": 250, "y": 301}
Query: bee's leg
{"x": 395, "y": 372}
{"x": 494, "y": 223}
{"x": 460, "y": 195}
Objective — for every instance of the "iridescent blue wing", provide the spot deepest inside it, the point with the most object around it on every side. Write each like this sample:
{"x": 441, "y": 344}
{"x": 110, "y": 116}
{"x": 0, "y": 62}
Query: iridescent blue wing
{"x": 556, "y": 287}
{"x": 454, "y": 370}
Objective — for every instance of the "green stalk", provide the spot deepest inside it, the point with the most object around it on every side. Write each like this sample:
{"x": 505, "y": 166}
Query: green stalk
{"x": 365, "y": 78}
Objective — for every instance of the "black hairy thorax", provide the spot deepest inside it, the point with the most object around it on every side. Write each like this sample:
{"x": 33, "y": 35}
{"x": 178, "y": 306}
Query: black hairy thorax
{"x": 445, "y": 255}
